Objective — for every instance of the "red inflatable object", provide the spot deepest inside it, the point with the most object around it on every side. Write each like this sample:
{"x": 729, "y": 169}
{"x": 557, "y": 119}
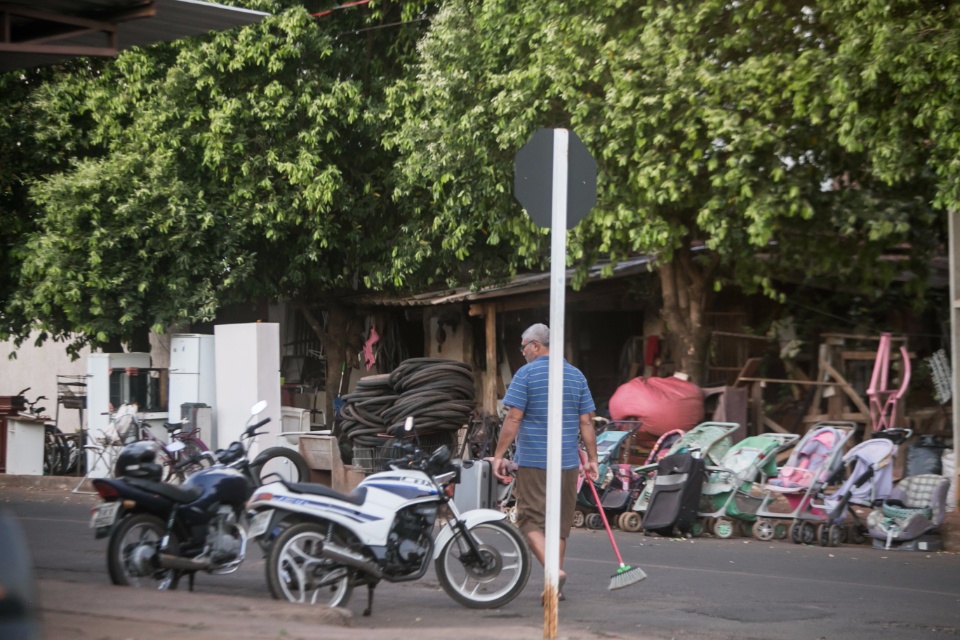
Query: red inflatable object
{"x": 661, "y": 404}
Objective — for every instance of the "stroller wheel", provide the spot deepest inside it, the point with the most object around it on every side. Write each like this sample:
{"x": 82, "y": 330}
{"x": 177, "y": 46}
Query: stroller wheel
{"x": 630, "y": 521}
{"x": 594, "y": 521}
{"x": 823, "y": 535}
{"x": 808, "y": 533}
{"x": 578, "y": 518}
{"x": 795, "y": 531}
{"x": 835, "y": 535}
{"x": 696, "y": 528}
{"x": 723, "y": 528}
{"x": 763, "y": 530}
{"x": 856, "y": 535}
{"x": 780, "y": 531}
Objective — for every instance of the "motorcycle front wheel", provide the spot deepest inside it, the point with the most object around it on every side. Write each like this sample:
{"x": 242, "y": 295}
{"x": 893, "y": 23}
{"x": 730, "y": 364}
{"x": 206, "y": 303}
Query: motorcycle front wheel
{"x": 132, "y": 550}
{"x": 494, "y": 582}
{"x": 297, "y": 572}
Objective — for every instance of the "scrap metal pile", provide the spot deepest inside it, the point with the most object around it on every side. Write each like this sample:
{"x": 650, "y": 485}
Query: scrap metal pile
{"x": 438, "y": 393}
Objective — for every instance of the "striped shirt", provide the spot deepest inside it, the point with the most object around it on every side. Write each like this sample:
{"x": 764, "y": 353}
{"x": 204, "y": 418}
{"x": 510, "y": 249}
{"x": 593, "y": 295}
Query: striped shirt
{"x": 528, "y": 392}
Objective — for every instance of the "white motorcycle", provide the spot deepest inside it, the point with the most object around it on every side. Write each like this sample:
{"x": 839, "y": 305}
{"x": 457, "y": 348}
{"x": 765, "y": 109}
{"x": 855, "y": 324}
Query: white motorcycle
{"x": 321, "y": 544}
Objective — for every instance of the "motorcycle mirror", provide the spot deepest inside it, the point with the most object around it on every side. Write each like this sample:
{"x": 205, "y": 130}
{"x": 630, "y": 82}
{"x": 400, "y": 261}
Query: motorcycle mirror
{"x": 257, "y": 408}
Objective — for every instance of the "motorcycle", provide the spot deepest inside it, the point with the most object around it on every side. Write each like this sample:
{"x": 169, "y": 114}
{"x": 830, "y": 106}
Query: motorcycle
{"x": 320, "y": 544}
{"x": 160, "y": 532}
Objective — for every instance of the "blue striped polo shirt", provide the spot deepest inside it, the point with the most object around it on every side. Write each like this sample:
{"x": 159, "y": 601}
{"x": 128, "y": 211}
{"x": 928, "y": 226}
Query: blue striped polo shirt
{"x": 528, "y": 392}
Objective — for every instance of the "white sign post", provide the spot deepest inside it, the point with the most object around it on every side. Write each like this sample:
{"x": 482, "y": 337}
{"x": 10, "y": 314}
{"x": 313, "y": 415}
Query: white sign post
{"x": 529, "y": 187}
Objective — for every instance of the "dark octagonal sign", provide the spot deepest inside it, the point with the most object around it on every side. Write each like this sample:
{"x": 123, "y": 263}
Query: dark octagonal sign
{"x": 533, "y": 179}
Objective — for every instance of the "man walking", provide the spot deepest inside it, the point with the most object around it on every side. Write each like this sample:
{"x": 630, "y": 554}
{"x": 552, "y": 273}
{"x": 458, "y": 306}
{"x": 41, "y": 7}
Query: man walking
{"x": 526, "y": 422}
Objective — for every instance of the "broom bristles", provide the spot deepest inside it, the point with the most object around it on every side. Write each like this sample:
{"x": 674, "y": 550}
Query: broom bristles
{"x": 626, "y": 576}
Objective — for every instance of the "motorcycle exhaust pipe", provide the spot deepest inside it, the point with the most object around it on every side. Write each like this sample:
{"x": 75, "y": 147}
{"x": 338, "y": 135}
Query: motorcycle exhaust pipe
{"x": 167, "y": 561}
{"x": 344, "y": 556}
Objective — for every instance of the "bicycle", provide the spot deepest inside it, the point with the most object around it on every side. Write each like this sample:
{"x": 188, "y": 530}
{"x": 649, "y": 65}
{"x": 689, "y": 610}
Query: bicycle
{"x": 182, "y": 454}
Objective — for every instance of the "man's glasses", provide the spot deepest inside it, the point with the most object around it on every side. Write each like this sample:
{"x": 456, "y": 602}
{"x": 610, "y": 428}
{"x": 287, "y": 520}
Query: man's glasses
{"x": 523, "y": 347}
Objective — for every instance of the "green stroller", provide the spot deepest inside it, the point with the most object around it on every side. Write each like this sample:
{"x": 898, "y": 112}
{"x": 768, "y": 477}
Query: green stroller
{"x": 732, "y": 492}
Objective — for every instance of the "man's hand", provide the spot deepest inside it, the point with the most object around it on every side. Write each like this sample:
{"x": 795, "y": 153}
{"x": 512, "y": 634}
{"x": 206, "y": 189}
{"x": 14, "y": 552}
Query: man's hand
{"x": 500, "y": 470}
{"x": 591, "y": 470}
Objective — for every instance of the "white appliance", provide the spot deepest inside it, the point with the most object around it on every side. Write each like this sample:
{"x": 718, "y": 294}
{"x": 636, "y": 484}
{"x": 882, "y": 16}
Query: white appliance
{"x": 193, "y": 379}
{"x": 24, "y": 446}
{"x": 248, "y": 370}
{"x": 99, "y": 366}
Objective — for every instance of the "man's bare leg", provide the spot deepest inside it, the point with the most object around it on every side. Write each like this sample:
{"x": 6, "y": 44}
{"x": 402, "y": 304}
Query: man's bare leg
{"x": 538, "y": 545}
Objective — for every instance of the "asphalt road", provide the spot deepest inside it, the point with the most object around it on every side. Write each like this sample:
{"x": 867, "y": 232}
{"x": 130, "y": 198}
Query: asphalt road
{"x": 701, "y": 588}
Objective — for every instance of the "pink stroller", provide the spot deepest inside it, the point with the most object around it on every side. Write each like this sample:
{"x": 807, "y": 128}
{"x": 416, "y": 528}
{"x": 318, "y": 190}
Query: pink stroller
{"x": 814, "y": 462}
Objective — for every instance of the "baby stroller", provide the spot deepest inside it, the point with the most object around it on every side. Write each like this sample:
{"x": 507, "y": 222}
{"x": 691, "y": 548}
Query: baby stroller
{"x": 868, "y": 483}
{"x": 610, "y": 483}
{"x": 732, "y": 494}
{"x": 710, "y": 439}
{"x": 813, "y": 463}
{"x": 912, "y": 511}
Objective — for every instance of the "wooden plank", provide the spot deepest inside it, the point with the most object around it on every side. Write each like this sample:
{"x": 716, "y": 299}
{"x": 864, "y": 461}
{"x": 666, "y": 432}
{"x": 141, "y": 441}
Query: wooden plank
{"x": 811, "y": 383}
{"x": 844, "y": 417}
{"x": 490, "y": 374}
{"x": 847, "y": 389}
{"x": 773, "y": 426}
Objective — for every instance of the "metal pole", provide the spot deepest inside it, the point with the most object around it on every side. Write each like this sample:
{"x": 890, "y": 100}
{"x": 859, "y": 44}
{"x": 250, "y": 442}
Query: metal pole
{"x": 954, "y": 244}
{"x": 558, "y": 272}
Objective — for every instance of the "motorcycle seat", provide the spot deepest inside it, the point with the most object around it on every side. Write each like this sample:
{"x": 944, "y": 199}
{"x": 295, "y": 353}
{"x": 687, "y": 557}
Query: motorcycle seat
{"x": 357, "y": 496}
{"x": 183, "y": 495}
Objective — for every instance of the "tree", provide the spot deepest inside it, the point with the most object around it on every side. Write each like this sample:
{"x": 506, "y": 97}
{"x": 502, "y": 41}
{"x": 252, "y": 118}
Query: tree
{"x": 717, "y": 147}
{"x": 895, "y": 89}
{"x": 212, "y": 170}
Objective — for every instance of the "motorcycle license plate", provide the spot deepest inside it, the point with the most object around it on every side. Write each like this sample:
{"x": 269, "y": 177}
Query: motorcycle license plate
{"x": 175, "y": 446}
{"x": 260, "y": 523}
{"x": 104, "y": 515}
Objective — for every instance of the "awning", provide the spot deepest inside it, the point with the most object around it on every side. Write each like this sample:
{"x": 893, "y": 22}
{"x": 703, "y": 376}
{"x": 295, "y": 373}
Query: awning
{"x": 520, "y": 284}
{"x": 44, "y": 32}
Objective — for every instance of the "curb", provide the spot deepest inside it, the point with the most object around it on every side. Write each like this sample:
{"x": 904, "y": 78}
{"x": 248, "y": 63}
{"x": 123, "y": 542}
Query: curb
{"x": 52, "y": 483}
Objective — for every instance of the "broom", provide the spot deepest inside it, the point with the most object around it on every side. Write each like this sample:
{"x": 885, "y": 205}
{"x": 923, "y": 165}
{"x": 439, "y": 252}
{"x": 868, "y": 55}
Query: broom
{"x": 625, "y": 575}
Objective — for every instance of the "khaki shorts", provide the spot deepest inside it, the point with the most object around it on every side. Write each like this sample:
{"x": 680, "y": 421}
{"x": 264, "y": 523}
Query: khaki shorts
{"x": 531, "y": 492}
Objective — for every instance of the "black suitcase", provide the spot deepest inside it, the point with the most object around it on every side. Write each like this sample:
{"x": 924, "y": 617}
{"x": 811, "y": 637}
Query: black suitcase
{"x": 478, "y": 486}
{"x": 676, "y": 494}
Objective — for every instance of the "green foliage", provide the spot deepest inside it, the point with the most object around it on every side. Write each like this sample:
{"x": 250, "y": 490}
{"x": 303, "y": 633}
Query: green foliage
{"x": 709, "y": 120}
{"x": 217, "y": 169}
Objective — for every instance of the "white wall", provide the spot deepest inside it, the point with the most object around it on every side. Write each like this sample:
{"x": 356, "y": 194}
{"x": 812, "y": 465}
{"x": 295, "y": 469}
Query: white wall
{"x": 38, "y": 368}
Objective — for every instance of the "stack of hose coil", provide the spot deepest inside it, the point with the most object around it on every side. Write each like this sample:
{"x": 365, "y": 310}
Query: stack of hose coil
{"x": 438, "y": 394}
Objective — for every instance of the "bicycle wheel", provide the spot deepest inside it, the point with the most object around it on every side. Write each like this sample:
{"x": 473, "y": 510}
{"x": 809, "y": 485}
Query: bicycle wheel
{"x": 53, "y": 461}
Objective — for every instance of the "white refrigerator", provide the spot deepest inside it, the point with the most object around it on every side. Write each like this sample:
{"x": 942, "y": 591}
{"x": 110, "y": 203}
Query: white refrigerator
{"x": 193, "y": 379}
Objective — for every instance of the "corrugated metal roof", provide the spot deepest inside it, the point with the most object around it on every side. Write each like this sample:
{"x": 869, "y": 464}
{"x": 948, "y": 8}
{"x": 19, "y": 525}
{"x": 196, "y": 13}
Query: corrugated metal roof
{"x": 171, "y": 20}
{"x": 523, "y": 283}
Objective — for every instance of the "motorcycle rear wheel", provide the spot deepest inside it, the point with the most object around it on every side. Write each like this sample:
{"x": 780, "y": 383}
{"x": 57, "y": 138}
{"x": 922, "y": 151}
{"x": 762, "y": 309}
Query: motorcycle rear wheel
{"x": 493, "y": 586}
{"x": 131, "y": 550}
{"x": 296, "y": 572}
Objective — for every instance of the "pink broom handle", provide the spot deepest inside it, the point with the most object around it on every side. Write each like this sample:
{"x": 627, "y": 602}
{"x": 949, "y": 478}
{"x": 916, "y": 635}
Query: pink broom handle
{"x": 596, "y": 499}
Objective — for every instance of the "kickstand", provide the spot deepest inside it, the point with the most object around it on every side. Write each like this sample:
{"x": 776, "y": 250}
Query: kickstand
{"x": 369, "y": 609}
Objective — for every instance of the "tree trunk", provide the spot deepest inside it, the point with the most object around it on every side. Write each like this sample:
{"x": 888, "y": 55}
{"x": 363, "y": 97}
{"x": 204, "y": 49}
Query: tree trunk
{"x": 686, "y": 292}
{"x": 338, "y": 347}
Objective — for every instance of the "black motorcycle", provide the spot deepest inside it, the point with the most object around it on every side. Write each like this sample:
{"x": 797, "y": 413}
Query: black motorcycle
{"x": 161, "y": 532}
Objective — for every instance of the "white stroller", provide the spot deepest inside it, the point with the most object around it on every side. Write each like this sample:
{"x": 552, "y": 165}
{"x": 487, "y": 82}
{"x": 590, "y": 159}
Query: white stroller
{"x": 868, "y": 483}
